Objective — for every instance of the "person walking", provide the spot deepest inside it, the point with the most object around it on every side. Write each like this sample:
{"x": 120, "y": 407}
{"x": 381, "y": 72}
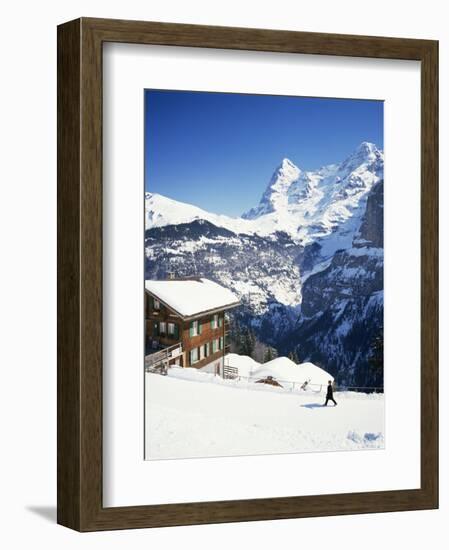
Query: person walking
{"x": 330, "y": 394}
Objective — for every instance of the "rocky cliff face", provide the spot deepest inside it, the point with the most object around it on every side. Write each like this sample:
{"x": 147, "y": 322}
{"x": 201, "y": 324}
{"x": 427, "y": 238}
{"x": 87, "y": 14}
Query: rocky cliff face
{"x": 342, "y": 305}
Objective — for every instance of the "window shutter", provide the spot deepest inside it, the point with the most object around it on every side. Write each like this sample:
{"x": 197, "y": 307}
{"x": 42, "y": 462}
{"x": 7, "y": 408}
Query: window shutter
{"x": 220, "y": 321}
{"x": 200, "y": 326}
{"x": 151, "y": 300}
{"x": 191, "y": 329}
{"x": 176, "y": 331}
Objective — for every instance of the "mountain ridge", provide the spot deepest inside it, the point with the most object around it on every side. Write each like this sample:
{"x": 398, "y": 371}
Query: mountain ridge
{"x": 307, "y": 205}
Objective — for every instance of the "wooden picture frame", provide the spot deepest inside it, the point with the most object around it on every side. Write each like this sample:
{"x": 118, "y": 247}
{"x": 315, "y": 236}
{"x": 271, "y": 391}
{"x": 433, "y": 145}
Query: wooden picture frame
{"x": 80, "y": 504}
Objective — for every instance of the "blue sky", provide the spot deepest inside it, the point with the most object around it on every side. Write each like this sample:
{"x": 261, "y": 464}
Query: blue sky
{"x": 218, "y": 151}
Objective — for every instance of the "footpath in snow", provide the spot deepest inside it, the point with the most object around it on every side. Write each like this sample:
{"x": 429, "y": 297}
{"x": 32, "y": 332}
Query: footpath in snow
{"x": 193, "y": 414}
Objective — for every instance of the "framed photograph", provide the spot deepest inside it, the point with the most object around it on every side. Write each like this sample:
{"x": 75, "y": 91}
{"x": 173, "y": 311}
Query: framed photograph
{"x": 247, "y": 274}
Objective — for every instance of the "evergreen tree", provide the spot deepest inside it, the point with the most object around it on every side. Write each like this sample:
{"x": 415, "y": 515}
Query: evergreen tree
{"x": 376, "y": 360}
{"x": 293, "y": 356}
{"x": 246, "y": 342}
{"x": 250, "y": 342}
{"x": 268, "y": 354}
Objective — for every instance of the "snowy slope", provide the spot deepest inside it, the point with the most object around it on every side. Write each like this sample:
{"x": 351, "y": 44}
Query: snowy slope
{"x": 206, "y": 416}
{"x": 161, "y": 211}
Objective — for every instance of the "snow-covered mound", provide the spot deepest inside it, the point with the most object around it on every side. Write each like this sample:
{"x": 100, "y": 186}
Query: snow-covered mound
{"x": 281, "y": 368}
{"x": 246, "y": 365}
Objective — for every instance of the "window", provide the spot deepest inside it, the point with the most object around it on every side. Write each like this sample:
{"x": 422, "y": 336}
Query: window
{"x": 221, "y": 343}
{"x": 156, "y": 304}
{"x": 214, "y": 321}
{"x": 202, "y": 352}
{"x": 195, "y": 328}
{"x": 220, "y": 321}
{"x": 163, "y": 327}
{"x": 155, "y": 328}
{"x": 173, "y": 330}
{"x": 206, "y": 349}
{"x": 215, "y": 345}
{"x": 193, "y": 356}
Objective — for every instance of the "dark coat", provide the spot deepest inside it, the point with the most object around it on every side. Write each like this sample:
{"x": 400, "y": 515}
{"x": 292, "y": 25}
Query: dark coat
{"x": 330, "y": 392}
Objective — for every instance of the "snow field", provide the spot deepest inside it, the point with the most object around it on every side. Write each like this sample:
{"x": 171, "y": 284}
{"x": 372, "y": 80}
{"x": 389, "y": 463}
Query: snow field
{"x": 206, "y": 416}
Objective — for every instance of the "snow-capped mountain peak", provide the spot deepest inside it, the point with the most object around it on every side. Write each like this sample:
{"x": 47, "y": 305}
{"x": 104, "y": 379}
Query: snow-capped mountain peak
{"x": 366, "y": 154}
{"x": 275, "y": 196}
{"x": 287, "y": 164}
{"x": 367, "y": 148}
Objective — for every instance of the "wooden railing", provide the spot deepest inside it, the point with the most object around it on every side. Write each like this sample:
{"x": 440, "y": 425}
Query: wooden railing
{"x": 158, "y": 361}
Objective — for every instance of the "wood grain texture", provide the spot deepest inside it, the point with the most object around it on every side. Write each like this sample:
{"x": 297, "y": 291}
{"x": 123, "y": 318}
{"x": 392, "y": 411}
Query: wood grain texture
{"x": 68, "y": 317}
{"x": 80, "y": 274}
{"x": 429, "y": 271}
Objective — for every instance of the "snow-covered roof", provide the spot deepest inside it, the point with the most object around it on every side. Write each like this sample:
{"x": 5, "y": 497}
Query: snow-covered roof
{"x": 190, "y": 297}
